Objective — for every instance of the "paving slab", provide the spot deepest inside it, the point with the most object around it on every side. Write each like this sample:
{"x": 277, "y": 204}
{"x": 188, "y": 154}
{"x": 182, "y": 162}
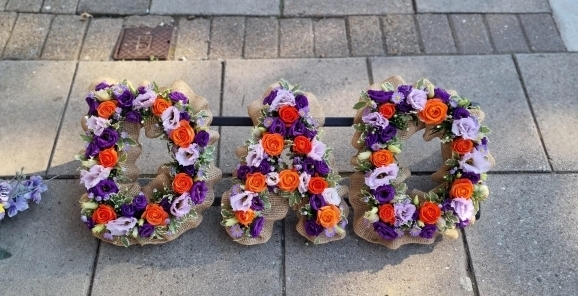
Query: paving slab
{"x": 24, "y": 5}
{"x": 296, "y": 38}
{"x": 216, "y": 7}
{"x": 193, "y": 39}
{"x": 151, "y": 21}
{"x": 436, "y": 34}
{"x": 334, "y": 82}
{"x": 400, "y": 34}
{"x": 3, "y": 4}
{"x": 114, "y": 7}
{"x": 59, "y": 6}
{"x": 523, "y": 245}
{"x": 330, "y": 38}
{"x": 471, "y": 34}
{"x": 227, "y": 35}
{"x": 261, "y": 38}
{"x": 52, "y": 251}
{"x": 506, "y": 33}
{"x": 202, "y": 261}
{"x": 565, "y": 14}
{"x": 487, "y": 6}
{"x": 547, "y": 78}
{"x": 344, "y": 7}
{"x": 514, "y": 141}
{"x": 365, "y": 36}
{"x": 65, "y": 38}
{"x": 542, "y": 33}
{"x": 7, "y": 20}
{"x": 203, "y": 77}
{"x": 31, "y": 113}
{"x": 28, "y": 36}
{"x": 100, "y": 39}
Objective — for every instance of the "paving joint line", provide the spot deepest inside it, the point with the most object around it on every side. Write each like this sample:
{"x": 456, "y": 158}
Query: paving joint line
{"x": 525, "y": 35}
{"x": 470, "y": 264}
{"x": 348, "y": 36}
{"x": 46, "y": 37}
{"x": 383, "y": 36}
{"x": 11, "y": 34}
{"x": 221, "y": 99}
{"x": 487, "y": 29}
{"x": 244, "y": 38}
{"x": 369, "y": 70}
{"x": 84, "y": 34}
{"x": 454, "y": 36}
{"x": 94, "y": 265}
{"x": 418, "y": 35}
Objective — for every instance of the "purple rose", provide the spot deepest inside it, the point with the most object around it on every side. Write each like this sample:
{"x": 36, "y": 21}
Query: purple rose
{"x": 139, "y": 202}
{"x": 189, "y": 170}
{"x": 321, "y": 167}
{"x": 467, "y": 128}
{"x": 202, "y": 138}
{"x": 428, "y": 231}
{"x": 404, "y": 89}
{"x": 92, "y": 105}
{"x": 133, "y": 116}
{"x": 107, "y": 139}
{"x": 242, "y": 172}
{"x": 264, "y": 167}
{"x": 104, "y": 188}
{"x": 316, "y": 201}
{"x": 441, "y": 94}
{"x": 301, "y": 102}
{"x": 460, "y": 113}
{"x": 404, "y": 107}
{"x": 371, "y": 138}
{"x": 385, "y": 231}
{"x": 269, "y": 99}
{"x": 185, "y": 116}
{"x": 310, "y": 133}
{"x": 278, "y": 127}
{"x": 127, "y": 210}
{"x": 165, "y": 204}
{"x": 91, "y": 150}
{"x": 312, "y": 228}
{"x": 298, "y": 128}
{"x": 199, "y": 192}
{"x": 308, "y": 165}
{"x": 257, "y": 204}
{"x": 146, "y": 230}
{"x": 176, "y": 96}
{"x": 475, "y": 178}
{"x": 383, "y": 194}
{"x": 387, "y": 133}
{"x": 125, "y": 99}
{"x": 101, "y": 86}
{"x": 380, "y": 96}
{"x": 257, "y": 226}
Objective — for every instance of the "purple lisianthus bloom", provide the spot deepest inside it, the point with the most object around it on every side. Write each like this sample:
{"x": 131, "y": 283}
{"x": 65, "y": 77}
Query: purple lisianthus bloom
{"x": 185, "y": 116}
{"x": 464, "y": 208}
{"x": 447, "y": 205}
{"x": 308, "y": 165}
{"x": 16, "y": 205}
{"x": 442, "y": 94}
{"x": 142, "y": 89}
{"x": 125, "y": 99}
{"x": 36, "y": 187}
{"x": 403, "y": 212}
{"x": 88, "y": 222}
{"x": 467, "y": 128}
{"x": 133, "y": 116}
{"x": 264, "y": 167}
{"x": 428, "y": 231}
{"x": 317, "y": 201}
{"x": 383, "y": 194}
{"x": 312, "y": 228}
{"x": 404, "y": 107}
{"x": 269, "y": 99}
{"x": 415, "y": 230}
{"x": 375, "y": 119}
{"x": 278, "y": 127}
{"x": 176, "y": 97}
{"x": 463, "y": 223}
{"x": 104, "y": 188}
{"x": 121, "y": 226}
{"x": 242, "y": 172}
{"x": 387, "y": 133}
{"x": 404, "y": 89}
{"x": 381, "y": 176}
{"x": 301, "y": 101}
{"x": 380, "y": 96}
{"x": 257, "y": 204}
{"x": 322, "y": 168}
{"x": 146, "y": 230}
{"x": 371, "y": 138}
{"x": 199, "y": 192}
{"x": 189, "y": 170}
{"x": 385, "y": 231}
{"x": 127, "y": 210}
{"x": 202, "y": 138}
{"x": 417, "y": 99}
{"x": 92, "y": 150}
{"x": 101, "y": 86}
{"x": 257, "y": 226}
{"x": 474, "y": 162}
{"x": 298, "y": 128}
{"x": 181, "y": 205}
{"x": 310, "y": 133}
{"x": 107, "y": 138}
{"x": 475, "y": 178}
{"x": 460, "y": 113}
{"x": 92, "y": 105}
{"x": 165, "y": 204}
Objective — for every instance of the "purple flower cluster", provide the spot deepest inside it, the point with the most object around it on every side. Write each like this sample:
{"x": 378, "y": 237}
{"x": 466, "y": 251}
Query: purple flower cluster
{"x": 17, "y": 193}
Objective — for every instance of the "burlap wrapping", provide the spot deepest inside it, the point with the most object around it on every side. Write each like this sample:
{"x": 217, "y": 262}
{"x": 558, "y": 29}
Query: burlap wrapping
{"x": 163, "y": 179}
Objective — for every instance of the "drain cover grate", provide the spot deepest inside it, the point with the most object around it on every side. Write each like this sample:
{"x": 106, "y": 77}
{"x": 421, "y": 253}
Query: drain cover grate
{"x": 144, "y": 43}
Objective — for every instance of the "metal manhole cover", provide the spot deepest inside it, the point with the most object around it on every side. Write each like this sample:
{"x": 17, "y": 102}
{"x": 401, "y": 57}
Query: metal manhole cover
{"x": 144, "y": 43}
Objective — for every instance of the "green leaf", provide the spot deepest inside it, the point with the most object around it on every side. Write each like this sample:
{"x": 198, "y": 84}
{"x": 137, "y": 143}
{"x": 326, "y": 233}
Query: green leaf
{"x": 124, "y": 241}
{"x": 294, "y": 199}
{"x": 485, "y": 130}
{"x": 451, "y": 162}
{"x": 360, "y": 105}
{"x": 86, "y": 138}
{"x": 129, "y": 141}
{"x": 387, "y": 86}
{"x": 122, "y": 157}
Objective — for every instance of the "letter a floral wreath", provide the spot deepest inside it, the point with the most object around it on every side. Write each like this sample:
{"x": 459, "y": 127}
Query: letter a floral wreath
{"x": 391, "y": 112}
{"x": 285, "y": 118}
{"x": 115, "y": 207}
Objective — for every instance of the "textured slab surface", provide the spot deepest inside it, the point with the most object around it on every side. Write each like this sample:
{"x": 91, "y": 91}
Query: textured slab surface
{"x": 296, "y": 38}
{"x": 494, "y": 84}
{"x": 261, "y": 38}
{"x": 65, "y": 38}
{"x": 542, "y": 32}
{"x": 401, "y": 35}
{"x": 436, "y": 33}
{"x": 471, "y": 34}
{"x": 59, "y": 6}
{"x": 100, "y": 39}
{"x": 565, "y": 15}
{"x": 227, "y": 37}
{"x": 218, "y": 7}
{"x": 193, "y": 39}
{"x": 24, "y": 5}
{"x": 523, "y": 246}
{"x": 345, "y": 7}
{"x": 28, "y": 36}
{"x": 365, "y": 36}
{"x": 330, "y": 38}
{"x": 123, "y": 7}
{"x": 7, "y": 20}
{"x": 506, "y": 33}
{"x": 511, "y": 6}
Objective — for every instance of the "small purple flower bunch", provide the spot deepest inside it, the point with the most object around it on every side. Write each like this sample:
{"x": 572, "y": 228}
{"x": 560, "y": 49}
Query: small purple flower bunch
{"x": 15, "y": 194}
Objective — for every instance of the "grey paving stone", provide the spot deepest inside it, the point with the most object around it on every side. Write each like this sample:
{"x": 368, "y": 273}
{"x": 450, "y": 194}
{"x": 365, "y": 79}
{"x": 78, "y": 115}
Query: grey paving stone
{"x": 334, "y": 82}
{"x": 565, "y": 13}
{"x": 7, "y": 20}
{"x": 203, "y": 77}
{"x": 28, "y": 36}
{"x": 261, "y": 38}
{"x": 344, "y": 7}
{"x": 35, "y": 95}
{"x": 548, "y": 78}
{"x": 3, "y": 4}
{"x": 365, "y": 36}
{"x": 506, "y": 33}
{"x": 330, "y": 38}
{"x": 487, "y": 6}
{"x": 400, "y": 34}
{"x": 215, "y": 7}
{"x": 52, "y": 251}
{"x": 59, "y": 6}
{"x": 436, "y": 34}
{"x": 193, "y": 39}
{"x": 24, "y": 5}
{"x": 135, "y": 21}
{"x": 494, "y": 84}
{"x": 522, "y": 246}
{"x": 204, "y": 260}
{"x": 471, "y": 34}
{"x": 227, "y": 37}
{"x": 542, "y": 33}
{"x": 100, "y": 39}
{"x": 116, "y": 7}
{"x": 296, "y": 40}
{"x": 65, "y": 38}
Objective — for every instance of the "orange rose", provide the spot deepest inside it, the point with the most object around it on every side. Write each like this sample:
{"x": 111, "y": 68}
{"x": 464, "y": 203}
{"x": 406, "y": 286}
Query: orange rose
{"x": 155, "y": 215}
{"x": 256, "y": 182}
{"x": 106, "y": 109}
{"x": 434, "y": 112}
{"x": 387, "y": 213}
{"x": 387, "y": 110}
{"x": 328, "y": 216}
{"x": 462, "y": 146}
{"x": 288, "y": 180}
{"x": 301, "y": 145}
{"x": 160, "y": 105}
{"x": 108, "y": 157}
{"x": 462, "y": 188}
{"x": 103, "y": 214}
{"x": 183, "y": 135}
{"x": 182, "y": 183}
{"x": 273, "y": 144}
{"x": 288, "y": 114}
{"x": 382, "y": 157}
{"x": 245, "y": 218}
{"x": 317, "y": 185}
{"x": 429, "y": 212}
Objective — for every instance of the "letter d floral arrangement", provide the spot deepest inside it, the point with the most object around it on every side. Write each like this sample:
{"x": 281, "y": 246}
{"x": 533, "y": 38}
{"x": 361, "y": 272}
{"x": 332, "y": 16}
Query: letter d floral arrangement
{"x": 15, "y": 194}
{"x": 116, "y": 209}
{"x": 389, "y": 113}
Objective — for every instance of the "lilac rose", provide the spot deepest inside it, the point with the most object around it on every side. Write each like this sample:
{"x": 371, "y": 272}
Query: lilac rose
{"x": 417, "y": 99}
{"x": 467, "y": 128}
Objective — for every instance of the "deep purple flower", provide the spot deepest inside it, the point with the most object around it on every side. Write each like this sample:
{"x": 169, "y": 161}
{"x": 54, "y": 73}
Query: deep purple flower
{"x": 404, "y": 107}
{"x": 165, "y": 204}
{"x": 371, "y": 138}
{"x": 316, "y": 201}
{"x": 242, "y": 172}
{"x": 475, "y": 178}
{"x": 321, "y": 167}
{"x": 92, "y": 105}
{"x": 89, "y": 223}
{"x": 269, "y": 99}
{"x": 139, "y": 202}
{"x": 312, "y": 228}
{"x": 278, "y": 127}
{"x": 463, "y": 223}
{"x": 387, "y": 133}
{"x": 142, "y": 89}
{"x": 264, "y": 167}
{"x": 301, "y": 101}
{"x": 380, "y": 96}
{"x": 385, "y": 231}
{"x": 125, "y": 99}
{"x": 428, "y": 231}
{"x": 447, "y": 205}
{"x": 92, "y": 150}
{"x": 107, "y": 139}
{"x": 404, "y": 89}
{"x": 104, "y": 188}
{"x": 189, "y": 170}
{"x": 308, "y": 165}
{"x": 257, "y": 226}
{"x": 101, "y": 86}
{"x": 185, "y": 116}
{"x": 257, "y": 204}
{"x": 199, "y": 192}
{"x": 441, "y": 94}
{"x": 310, "y": 133}
{"x": 133, "y": 116}
{"x": 146, "y": 230}
{"x": 460, "y": 113}
{"x": 383, "y": 194}
{"x": 128, "y": 210}
{"x": 176, "y": 96}
{"x": 202, "y": 138}
{"x": 298, "y": 128}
